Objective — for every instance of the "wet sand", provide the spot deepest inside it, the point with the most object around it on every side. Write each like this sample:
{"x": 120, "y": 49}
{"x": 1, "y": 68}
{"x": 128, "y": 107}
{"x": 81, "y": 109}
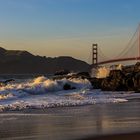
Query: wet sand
{"x": 131, "y": 136}
{"x": 97, "y": 122}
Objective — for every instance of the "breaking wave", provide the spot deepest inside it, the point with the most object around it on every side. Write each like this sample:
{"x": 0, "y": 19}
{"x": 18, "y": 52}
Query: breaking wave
{"x": 103, "y": 72}
{"x": 42, "y": 92}
{"x": 43, "y": 85}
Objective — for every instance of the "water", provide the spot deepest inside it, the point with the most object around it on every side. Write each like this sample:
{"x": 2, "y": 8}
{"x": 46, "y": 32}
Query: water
{"x": 70, "y": 123}
{"x": 103, "y": 71}
{"x": 42, "y": 92}
{"x": 39, "y": 108}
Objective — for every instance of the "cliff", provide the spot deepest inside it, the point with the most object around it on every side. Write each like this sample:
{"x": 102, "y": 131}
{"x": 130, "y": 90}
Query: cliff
{"x": 23, "y": 62}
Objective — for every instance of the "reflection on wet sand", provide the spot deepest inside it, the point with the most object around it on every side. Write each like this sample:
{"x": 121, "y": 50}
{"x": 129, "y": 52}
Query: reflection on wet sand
{"x": 71, "y": 123}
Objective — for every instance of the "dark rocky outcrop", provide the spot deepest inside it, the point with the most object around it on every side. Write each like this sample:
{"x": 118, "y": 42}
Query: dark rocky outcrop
{"x": 115, "y": 81}
{"x": 137, "y": 67}
{"x": 3, "y": 83}
{"x": 127, "y": 79}
{"x": 68, "y": 87}
{"x": 83, "y": 75}
{"x": 62, "y": 72}
{"x": 96, "y": 82}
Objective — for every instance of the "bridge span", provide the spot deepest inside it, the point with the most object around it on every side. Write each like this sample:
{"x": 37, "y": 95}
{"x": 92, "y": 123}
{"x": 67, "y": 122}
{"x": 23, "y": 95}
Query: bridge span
{"x": 134, "y": 44}
{"x": 118, "y": 60}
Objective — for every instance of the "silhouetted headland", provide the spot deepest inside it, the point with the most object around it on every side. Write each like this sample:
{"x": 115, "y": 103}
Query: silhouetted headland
{"x": 23, "y": 62}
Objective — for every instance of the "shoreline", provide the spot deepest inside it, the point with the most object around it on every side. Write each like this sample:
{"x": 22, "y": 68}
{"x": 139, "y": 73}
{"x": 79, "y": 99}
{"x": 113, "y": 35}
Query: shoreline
{"x": 93, "y": 122}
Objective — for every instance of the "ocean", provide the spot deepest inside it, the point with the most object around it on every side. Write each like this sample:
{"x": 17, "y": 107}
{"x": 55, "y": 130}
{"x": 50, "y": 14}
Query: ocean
{"x": 37, "y": 107}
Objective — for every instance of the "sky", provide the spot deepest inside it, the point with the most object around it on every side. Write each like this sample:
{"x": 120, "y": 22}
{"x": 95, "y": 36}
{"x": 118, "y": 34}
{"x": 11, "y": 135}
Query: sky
{"x": 54, "y": 28}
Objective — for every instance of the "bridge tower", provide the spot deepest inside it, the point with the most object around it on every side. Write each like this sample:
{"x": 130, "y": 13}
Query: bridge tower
{"x": 95, "y": 54}
{"x": 139, "y": 41}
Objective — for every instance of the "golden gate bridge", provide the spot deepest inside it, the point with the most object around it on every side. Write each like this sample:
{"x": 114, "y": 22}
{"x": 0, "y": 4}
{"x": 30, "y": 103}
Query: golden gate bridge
{"x": 130, "y": 53}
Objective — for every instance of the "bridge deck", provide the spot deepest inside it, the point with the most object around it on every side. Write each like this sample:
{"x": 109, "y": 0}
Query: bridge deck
{"x": 118, "y": 60}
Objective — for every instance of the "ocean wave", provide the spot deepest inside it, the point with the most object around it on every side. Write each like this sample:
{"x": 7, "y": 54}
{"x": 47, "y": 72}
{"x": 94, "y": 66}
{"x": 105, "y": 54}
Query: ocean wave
{"x": 42, "y": 92}
{"x": 72, "y": 99}
{"x": 42, "y": 85}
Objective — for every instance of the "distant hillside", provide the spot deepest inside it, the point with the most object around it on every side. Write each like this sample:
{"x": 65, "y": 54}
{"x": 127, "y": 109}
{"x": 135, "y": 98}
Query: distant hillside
{"x": 23, "y": 62}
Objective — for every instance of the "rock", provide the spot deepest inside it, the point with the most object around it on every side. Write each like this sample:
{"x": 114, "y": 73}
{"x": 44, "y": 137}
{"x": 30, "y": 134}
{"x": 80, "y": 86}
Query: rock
{"x": 109, "y": 84}
{"x": 114, "y": 82}
{"x": 128, "y": 69}
{"x": 3, "y": 83}
{"x": 132, "y": 68}
{"x": 127, "y": 79}
{"x": 62, "y": 72}
{"x": 83, "y": 74}
{"x": 136, "y": 81}
{"x": 137, "y": 67}
{"x": 96, "y": 82}
{"x": 129, "y": 83}
{"x": 9, "y": 80}
{"x": 116, "y": 74}
{"x": 68, "y": 87}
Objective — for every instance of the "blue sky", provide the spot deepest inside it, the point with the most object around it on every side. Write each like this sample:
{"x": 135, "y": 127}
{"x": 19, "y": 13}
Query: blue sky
{"x": 67, "y": 27}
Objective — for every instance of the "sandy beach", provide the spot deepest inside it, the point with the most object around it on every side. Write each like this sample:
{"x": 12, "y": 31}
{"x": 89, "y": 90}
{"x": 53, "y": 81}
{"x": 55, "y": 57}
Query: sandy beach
{"x": 97, "y": 122}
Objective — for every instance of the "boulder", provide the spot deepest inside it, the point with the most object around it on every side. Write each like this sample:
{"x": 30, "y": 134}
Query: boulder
{"x": 83, "y": 74}
{"x": 3, "y": 83}
{"x": 116, "y": 74}
{"x": 96, "y": 82}
{"x": 137, "y": 67}
{"x": 114, "y": 82}
{"x": 109, "y": 84}
{"x": 62, "y": 72}
{"x": 128, "y": 81}
{"x": 128, "y": 69}
{"x": 136, "y": 81}
{"x": 68, "y": 87}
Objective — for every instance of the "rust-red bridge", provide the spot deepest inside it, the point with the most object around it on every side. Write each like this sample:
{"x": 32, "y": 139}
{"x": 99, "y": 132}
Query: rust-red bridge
{"x": 95, "y": 53}
{"x": 118, "y": 60}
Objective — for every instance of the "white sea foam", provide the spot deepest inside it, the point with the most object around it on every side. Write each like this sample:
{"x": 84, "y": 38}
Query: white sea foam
{"x": 42, "y": 92}
{"x": 5, "y": 96}
{"x": 60, "y": 100}
{"x": 103, "y": 72}
{"x": 42, "y": 85}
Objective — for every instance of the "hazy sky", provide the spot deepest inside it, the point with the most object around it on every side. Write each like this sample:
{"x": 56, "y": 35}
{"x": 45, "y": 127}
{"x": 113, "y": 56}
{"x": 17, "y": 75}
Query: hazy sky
{"x": 67, "y": 27}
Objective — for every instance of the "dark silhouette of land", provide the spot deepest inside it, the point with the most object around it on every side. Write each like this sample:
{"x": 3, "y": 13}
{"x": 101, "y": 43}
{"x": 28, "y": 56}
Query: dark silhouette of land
{"x": 23, "y": 62}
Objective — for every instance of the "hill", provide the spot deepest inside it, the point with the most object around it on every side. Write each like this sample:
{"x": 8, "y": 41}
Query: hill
{"x": 23, "y": 62}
